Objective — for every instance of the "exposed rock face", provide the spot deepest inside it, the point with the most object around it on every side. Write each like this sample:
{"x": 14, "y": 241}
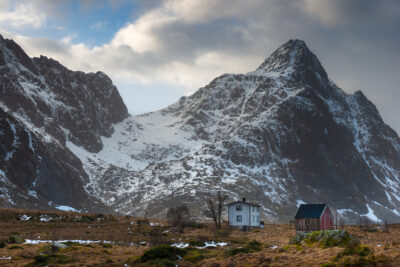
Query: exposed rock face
{"x": 43, "y": 104}
{"x": 280, "y": 135}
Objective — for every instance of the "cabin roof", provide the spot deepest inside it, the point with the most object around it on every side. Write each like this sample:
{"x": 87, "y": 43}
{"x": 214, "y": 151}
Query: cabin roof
{"x": 310, "y": 210}
{"x": 244, "y": 203}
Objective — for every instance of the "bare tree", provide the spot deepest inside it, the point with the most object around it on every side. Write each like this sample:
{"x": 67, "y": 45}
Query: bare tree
{"x": 215, "y": 207}
{"x": 179, "y": 216}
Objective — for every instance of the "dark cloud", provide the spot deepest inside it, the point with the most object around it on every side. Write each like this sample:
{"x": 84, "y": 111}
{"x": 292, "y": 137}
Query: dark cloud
{"x": 187, "y": 43}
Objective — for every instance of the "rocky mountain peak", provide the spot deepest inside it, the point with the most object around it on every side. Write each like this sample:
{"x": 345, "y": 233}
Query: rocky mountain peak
{"x": 293, "y": 57}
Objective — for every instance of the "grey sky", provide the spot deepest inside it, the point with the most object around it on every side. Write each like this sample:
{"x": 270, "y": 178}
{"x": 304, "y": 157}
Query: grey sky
{"x": 172, "y": 47}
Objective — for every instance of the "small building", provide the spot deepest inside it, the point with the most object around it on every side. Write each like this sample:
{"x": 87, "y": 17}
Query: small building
{"x": 314, "y": 217}
{"x": 244, "y": 214}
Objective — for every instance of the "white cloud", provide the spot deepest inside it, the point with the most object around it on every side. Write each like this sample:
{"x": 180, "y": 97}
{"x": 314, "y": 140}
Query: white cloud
{"x": 21, "y": 14}
{"x": 99, "y": 25}
{"x": 186, "y": 43}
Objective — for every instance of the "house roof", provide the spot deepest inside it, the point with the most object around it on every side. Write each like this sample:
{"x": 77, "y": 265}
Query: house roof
{"x": 310, "y": 210}
{"x": 244, "y": 203}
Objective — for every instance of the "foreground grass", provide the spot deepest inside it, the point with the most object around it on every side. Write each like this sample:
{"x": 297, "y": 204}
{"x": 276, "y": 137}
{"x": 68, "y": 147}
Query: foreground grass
{"x": 140, "y": 242}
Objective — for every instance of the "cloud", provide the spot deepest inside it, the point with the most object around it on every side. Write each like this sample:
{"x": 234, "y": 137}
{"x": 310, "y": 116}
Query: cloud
{"x": 21, "y": 14}
{"x": 99, "y": 26}
{"x": 186, "y": 43}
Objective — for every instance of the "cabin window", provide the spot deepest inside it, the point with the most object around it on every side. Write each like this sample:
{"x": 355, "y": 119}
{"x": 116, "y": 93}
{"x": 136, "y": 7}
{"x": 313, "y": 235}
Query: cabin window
{"x": 239, "y": 208}
{"x": 239, "y": 218}
{"x": 307, "y": 221}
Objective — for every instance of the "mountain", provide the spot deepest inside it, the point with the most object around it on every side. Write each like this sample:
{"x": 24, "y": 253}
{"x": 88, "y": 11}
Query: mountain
{"x": 42, "y": 105}
{"x": 280, "y": 135}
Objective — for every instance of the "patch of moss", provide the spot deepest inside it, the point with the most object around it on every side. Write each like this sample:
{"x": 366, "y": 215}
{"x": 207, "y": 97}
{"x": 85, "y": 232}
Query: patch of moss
{"x": 359, "y": 250}
{"x": 291, "y": 248}
{"x": 106, "y": 245}
{"x": 14, "y": 239}
{"x": 44, "y": 260}
{"x": 162, "y": 252}
{"x": 352, "y": 261}
{"x": 196, "y": 243}
{"x": 325, "y": 239}
{"x": 251, "y": 247}
{"x": 195, "y": 255}
{"x": 15, "y": 247}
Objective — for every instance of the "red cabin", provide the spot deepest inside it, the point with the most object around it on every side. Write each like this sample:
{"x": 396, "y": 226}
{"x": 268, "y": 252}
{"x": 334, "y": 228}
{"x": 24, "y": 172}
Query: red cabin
{"x": 314, "y": 217}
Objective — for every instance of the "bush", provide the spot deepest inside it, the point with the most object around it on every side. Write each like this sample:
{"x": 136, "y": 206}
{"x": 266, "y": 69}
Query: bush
{"x": 14, "y": 239}
{"x": 44, "y": 260}
{"x": 326, "y": 239}
{"x": 196, "y": 243}
{"x": 291, "y": 248}
{"x": 195, "y": 255}
{"x": 162, "y": 252}
{"x": 106, "y": 245}
{"x": 15, "y": 247}
{"x": 3, "y": 244}
{"x": 251, "y": 247}
{"x": 359, "y": 250}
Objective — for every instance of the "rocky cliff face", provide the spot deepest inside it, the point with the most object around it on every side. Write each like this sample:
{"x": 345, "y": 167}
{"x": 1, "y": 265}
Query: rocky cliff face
{"x": 43, "y": 105}
{"x": 280, "y": 135}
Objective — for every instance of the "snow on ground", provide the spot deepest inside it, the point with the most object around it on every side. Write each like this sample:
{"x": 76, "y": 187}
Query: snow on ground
{"x": 25, "y": 217}
{"x": 65, "y": 208}
{"x": 371, "y": 215}
{"x": 180, "y": 245}
{"x": 34, "y": 242}
{"x": 45, "y": 218}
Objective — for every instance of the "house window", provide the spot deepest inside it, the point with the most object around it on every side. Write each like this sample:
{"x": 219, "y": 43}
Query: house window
{"x": 239, "y": 218}
{"x": 258, "y": 209}
{"x": 307, "y": 221}
{"x": 252, "y": 218}
{"x": 258, "y": 218}
{"x": 239, "y": 208}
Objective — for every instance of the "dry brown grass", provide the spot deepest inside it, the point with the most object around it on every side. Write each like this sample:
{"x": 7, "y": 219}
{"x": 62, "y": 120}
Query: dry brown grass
{"x": 126, "y": 237}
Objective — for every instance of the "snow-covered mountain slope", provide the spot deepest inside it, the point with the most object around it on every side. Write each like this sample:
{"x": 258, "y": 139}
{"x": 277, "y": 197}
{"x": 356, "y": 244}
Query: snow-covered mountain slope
{"x": 44, "y": 104}
{"x": 280, "y": 135}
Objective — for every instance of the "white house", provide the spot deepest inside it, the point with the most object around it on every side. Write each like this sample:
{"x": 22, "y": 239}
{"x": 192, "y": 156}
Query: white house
{"x": 244, "y": 214}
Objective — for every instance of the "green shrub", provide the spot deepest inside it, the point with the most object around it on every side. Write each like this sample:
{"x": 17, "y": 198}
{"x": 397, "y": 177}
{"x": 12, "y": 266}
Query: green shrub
{"x": 251, "y": 247}
{"x": 254, "y": 246}
{"x": 371, "y": 260}
{"x": 234, "y": 251}
{"x": 195, "y": 255}
{"x": 162, "y": 252}
{"x": 14, "y": 239}
{"x": 291, "y": 248}
{"x": 326, "y": 239}
{"x": 44, "y": 260}
{"x": 196, "y": 243}
{"x": 15, "y": 247}
{"x": 359, "y": 250}
{"x": 106, "y": 245}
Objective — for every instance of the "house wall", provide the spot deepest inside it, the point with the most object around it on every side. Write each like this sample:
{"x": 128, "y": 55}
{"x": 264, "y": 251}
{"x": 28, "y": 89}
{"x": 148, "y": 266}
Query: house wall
{"x": 327, "y": 220}
{"x": 255, "y": 216}
{"x": 312, "y": 225}
{"x": 247, "y": 214}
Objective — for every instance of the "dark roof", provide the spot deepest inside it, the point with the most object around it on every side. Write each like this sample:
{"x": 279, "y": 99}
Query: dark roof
{"x": 310, "y": 210}
{"x": 244, "y": 203}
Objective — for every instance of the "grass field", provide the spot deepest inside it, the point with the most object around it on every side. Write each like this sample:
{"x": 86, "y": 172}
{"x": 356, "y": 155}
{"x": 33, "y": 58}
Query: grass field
{"x": 105, "y": 240}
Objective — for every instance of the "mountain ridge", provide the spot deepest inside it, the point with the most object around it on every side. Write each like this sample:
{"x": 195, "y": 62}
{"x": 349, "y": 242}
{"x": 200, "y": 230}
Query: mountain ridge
{"x": 281, "y": 135}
